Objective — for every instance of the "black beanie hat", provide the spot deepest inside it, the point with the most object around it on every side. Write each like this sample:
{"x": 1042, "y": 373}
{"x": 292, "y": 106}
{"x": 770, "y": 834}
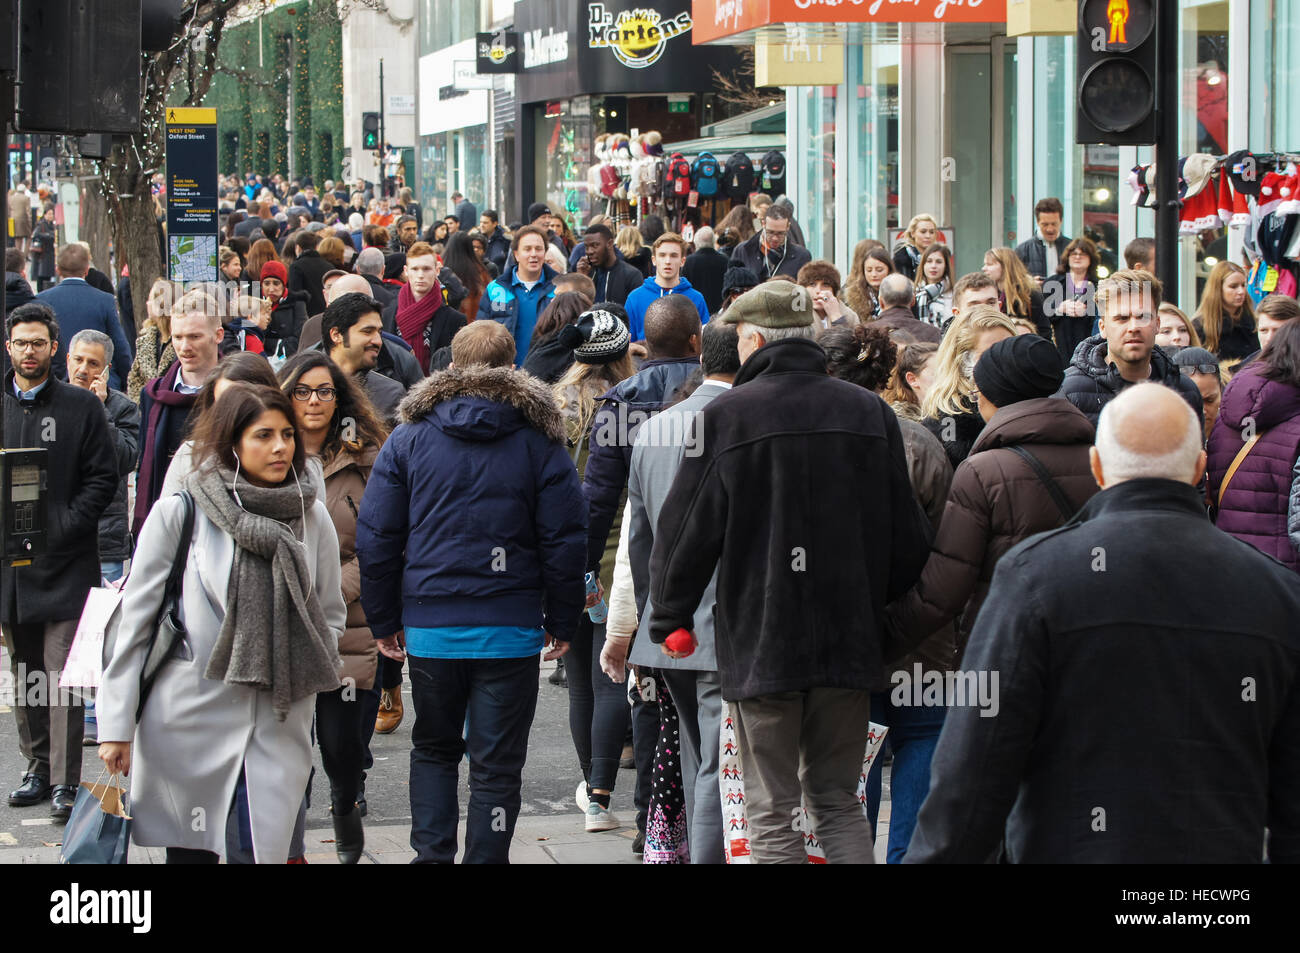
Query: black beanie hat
{"x": 738, "y": 278}
{"x": 535, "y": 210}
{"x": 1019, "y": 368}
{"x": 599, "y": 337}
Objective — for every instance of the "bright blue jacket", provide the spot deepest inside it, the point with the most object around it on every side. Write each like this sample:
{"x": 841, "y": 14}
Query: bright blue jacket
{"x": 638, "y": 301}
{"x": 473, "y": 513}
{"x": 507, "y": 300}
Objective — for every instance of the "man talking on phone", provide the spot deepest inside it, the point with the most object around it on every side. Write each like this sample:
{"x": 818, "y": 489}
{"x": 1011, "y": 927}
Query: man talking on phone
{"x": 90, "y": 360}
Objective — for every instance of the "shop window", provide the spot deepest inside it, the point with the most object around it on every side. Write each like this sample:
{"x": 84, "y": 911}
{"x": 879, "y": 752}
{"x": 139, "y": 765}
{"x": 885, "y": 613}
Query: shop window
{"x": 1274, "y": 76}
{"x": 873, "y": 144}
{"x": 1203, "y": 122}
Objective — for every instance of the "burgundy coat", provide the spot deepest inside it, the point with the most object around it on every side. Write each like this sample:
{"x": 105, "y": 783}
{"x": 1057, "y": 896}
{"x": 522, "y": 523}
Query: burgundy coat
{"x": 1254, "y": 509}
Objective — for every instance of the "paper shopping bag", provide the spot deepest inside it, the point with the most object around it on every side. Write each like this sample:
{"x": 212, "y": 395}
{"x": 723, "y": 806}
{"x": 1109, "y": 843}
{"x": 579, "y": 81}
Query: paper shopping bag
{"x": 85, "y": 664}
{"x": 99, "y": 830}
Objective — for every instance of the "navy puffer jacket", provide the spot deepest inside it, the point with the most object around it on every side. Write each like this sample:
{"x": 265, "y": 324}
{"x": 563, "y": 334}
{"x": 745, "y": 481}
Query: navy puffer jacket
{"x": 473, "y": 514}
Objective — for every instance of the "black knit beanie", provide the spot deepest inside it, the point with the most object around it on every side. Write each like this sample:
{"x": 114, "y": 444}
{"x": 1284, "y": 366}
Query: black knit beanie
{"x": 1019, "y": 368}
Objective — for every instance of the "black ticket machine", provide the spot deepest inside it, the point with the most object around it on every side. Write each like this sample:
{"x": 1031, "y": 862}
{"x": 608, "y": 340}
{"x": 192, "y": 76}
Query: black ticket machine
{"x": 23, "y": 503}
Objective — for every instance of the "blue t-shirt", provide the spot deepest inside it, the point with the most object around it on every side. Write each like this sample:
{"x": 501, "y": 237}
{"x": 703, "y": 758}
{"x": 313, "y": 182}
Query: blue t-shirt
{"x": 474, "y": 641}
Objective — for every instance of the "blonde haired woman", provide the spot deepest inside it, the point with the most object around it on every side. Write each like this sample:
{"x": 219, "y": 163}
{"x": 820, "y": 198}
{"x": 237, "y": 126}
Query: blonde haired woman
{"x": 598, "y": 708}
{"x": 153, "y": 348}
{"x": 1176, "y": 328}
{"x": 922, "y": 231}
{"x": 1017, "y": 290}
{"x": 632, "y": 245}
{"x": 1226, "y": 318}
{"x": 949, "y": 408}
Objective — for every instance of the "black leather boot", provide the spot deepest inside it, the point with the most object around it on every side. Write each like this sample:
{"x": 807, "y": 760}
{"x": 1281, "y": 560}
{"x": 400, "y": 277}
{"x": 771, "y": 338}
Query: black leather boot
{"x": 349, "y": 838}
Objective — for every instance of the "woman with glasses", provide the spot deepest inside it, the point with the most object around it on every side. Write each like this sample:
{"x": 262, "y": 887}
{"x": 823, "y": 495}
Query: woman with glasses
{"x": 1199, "y": 364}
{"x": 1226, "y": 319}
{"x": 1069, "y": 297}
{"x": 1254, "y": 446}
{"x": 339, "y": 426}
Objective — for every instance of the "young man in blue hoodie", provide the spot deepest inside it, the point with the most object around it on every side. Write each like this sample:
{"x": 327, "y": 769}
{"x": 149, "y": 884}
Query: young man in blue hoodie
{"x": 669, "y": 253}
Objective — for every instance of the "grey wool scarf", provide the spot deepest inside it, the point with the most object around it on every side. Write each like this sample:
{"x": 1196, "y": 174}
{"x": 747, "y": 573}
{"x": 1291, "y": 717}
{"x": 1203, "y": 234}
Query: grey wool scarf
{"x": 274, "y": 637}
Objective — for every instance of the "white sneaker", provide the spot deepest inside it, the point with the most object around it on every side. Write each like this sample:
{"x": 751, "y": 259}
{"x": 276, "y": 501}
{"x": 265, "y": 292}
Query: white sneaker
{"x": 600, "y": 818}
{"x": 580, "y": 796}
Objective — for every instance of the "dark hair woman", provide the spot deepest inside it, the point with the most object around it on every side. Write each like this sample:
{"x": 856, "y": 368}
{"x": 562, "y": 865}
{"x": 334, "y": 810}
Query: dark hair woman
{"x": 459, "y": 256}
{"x": 1069, "y": 297}
{"x": 871, "y": 263}
{"x": 235, "y": 702}
{"x": 1257, "y": 439}
{"x": 547, "y": 358}
{"x": 339, "y": 425}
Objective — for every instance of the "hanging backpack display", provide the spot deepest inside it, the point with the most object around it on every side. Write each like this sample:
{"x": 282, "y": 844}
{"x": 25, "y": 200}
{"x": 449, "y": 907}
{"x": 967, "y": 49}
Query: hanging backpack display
{"x": 738, "y": 179}
{"x": 706, "y": 175}
{"x": 677, "y": 178}
{"x": 772, "y": 181}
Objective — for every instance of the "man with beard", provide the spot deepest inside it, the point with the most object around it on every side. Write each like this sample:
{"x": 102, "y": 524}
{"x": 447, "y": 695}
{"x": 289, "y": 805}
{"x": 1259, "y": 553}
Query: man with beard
{"x": 353, "y": 332}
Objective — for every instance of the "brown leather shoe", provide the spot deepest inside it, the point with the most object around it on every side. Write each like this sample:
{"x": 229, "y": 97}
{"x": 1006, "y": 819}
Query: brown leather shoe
{"x": 390, "y": 711}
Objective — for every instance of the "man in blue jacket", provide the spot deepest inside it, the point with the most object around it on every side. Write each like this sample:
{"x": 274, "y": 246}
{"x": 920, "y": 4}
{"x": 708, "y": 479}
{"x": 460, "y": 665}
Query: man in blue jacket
{"x": 521, "y": 294}
{"x": 669, "y": 253}
{"x": 79, "y": 307}
{"x": 470, "y": 543}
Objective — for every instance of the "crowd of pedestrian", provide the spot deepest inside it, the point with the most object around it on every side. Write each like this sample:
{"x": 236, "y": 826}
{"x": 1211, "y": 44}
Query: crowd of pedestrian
{"x": 717, "y": 479}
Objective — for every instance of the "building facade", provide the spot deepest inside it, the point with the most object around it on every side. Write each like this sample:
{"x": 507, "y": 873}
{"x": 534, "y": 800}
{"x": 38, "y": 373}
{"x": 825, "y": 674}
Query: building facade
{"x": 965, "y": 116}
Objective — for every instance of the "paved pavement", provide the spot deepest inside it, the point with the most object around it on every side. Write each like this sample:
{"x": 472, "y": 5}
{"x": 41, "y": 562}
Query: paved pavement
{"x": 549, "y": 828}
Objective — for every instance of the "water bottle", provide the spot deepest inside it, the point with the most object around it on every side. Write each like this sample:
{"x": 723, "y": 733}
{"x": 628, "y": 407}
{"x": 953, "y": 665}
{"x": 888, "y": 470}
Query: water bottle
{"x": 599, "y": 611}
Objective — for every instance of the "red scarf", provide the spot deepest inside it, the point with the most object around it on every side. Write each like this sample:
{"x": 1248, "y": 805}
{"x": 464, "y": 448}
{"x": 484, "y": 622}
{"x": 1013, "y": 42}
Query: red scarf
{"x": 413, "y": 315}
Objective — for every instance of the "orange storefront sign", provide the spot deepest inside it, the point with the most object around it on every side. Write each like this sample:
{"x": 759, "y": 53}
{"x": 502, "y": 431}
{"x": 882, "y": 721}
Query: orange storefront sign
{"x": 716, "y": 19}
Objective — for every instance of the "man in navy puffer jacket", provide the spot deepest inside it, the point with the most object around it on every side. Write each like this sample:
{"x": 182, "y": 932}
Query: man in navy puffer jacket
{"x": 471, "y": 542}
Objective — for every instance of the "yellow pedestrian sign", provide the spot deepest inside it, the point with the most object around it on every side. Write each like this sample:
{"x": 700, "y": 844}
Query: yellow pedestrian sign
{"x": 191, "y": 116}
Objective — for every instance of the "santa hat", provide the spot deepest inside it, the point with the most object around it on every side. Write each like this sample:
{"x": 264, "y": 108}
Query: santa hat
{"x": 1289, "y": 191}
{"x": 1225, "y": 199}
{"x": 1240, "y": 210}
{"x": 1269, "y": 196}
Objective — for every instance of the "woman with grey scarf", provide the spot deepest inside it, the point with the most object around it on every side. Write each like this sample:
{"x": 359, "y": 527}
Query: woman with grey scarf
{"x": 263, "y": 611}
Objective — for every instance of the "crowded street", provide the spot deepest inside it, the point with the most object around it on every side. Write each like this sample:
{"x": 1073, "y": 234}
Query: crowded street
{"x": 489, "y": 432}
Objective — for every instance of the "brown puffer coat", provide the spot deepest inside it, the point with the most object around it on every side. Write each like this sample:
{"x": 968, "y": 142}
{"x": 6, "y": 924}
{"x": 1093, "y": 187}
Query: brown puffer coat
{"x": 996, "y": 500}
{"x": 345, "y": 482}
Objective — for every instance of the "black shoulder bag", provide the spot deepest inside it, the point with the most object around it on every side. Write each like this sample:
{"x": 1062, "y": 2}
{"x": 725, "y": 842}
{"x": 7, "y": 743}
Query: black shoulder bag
{"x": 169, "y": 637}
{"x": 1053, "y": 488}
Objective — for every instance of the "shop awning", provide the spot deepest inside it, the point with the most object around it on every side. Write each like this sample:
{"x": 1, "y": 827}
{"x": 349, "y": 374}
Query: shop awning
{"x": 745, "y": 21}
{"x": 753, "y": 144}
{"x": 754, "y": 132}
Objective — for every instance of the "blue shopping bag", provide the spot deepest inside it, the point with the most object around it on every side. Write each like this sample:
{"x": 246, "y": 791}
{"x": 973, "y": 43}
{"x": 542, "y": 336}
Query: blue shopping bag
{"x": 99, "y": 830}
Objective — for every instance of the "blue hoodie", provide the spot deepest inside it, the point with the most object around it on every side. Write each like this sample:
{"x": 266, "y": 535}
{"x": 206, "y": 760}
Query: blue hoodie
{"x": 642, "y": 297}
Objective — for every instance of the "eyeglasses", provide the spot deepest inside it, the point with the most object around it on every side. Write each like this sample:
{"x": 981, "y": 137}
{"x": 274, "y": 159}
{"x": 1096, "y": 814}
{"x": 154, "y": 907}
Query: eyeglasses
{"x": 20, "y": 345}
{"x": 325, "y": 393}
{"x": 1190, "y": 369}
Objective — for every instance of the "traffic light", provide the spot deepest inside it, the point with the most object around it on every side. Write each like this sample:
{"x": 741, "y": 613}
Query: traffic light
{"x": 370, "y": 131}
{"x": 1115, "y": 59}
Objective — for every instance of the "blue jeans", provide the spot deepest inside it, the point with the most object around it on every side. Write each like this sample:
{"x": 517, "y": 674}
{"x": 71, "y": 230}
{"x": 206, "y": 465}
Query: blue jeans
{"x": 112, "y": 572}
{"x": 913, "y": 736}
{"x": 499, "y": 696}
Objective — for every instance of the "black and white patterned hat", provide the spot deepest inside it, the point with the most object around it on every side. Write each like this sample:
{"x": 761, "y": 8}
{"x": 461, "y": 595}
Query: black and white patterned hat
{"x": 600, "y": 336}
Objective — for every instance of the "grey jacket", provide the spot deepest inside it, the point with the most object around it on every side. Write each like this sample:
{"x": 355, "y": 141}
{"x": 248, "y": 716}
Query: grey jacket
{"x": 124, "y": 428}
{"x": 656, "y": 454}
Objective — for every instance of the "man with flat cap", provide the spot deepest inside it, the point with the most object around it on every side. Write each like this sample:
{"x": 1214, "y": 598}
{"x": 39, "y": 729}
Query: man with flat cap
{"x": 800, "y": 499}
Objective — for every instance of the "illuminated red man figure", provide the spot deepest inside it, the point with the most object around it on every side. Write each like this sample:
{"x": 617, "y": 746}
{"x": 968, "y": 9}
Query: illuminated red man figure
{"x": 1117, "y": 14}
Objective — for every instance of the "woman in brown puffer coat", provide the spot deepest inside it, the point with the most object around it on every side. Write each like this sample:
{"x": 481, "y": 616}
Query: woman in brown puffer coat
{"x": 338, "y": 424}
{"x": 997, "y": 496}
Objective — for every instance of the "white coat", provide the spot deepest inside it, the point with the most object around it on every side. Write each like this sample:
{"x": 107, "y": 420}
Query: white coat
{"x": 196, "y": 734}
